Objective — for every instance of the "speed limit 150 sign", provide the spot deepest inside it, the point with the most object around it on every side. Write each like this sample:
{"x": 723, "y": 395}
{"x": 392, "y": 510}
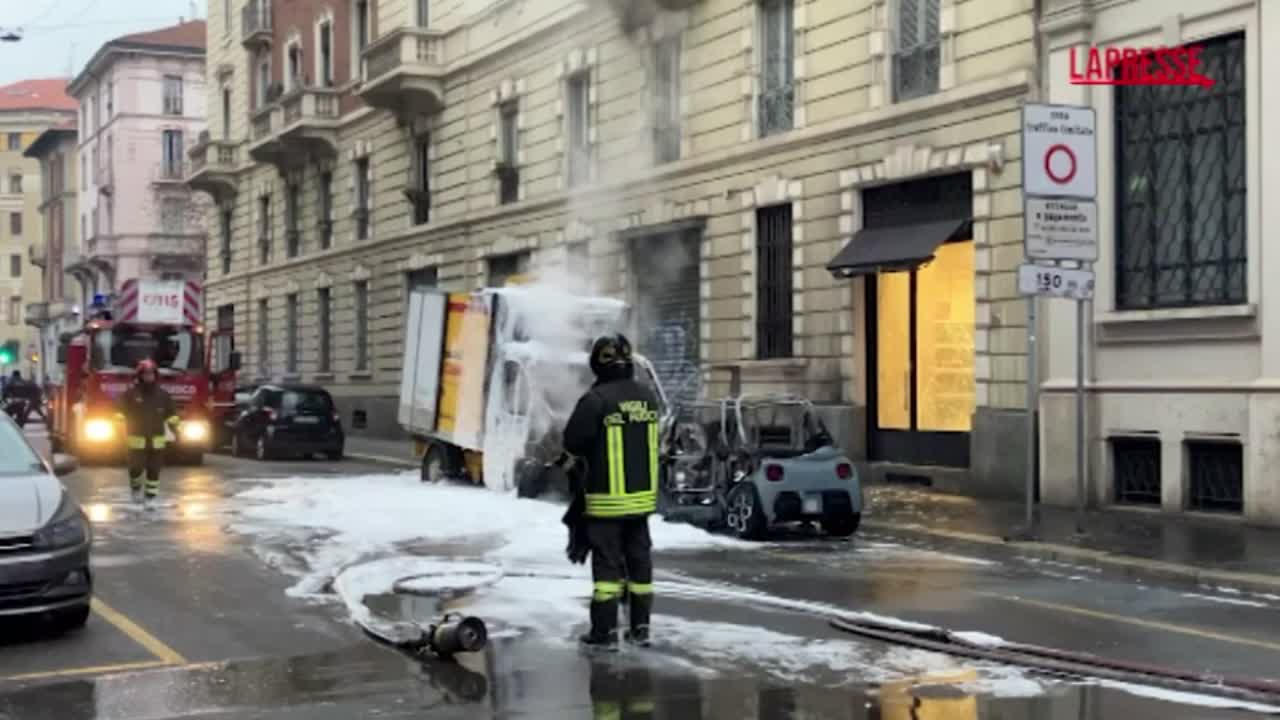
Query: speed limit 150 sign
{"x": 1049, "y": 281}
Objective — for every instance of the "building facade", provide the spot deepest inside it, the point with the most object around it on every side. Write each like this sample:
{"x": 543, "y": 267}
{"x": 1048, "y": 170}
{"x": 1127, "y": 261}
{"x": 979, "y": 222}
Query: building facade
{"x": 27, "y": 109}
{"x": 1182, "y": 354}
{"x": 58, "y": 309}
{"x": 745, "y": 173}
{"x": 141, "y": 101}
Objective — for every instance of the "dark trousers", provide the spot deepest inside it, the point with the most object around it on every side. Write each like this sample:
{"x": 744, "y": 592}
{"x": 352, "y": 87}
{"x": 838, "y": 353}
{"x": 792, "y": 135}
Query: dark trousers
{"x": 621, "y": 564}
{"x": 146, "y": 460}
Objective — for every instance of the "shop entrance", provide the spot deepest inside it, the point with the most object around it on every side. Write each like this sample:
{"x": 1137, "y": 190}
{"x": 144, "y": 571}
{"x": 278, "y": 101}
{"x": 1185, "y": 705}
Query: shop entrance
{"x": 916, "y": 253}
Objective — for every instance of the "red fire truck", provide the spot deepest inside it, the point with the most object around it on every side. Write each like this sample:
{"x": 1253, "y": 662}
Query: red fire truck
{"x": 160, "y": 320}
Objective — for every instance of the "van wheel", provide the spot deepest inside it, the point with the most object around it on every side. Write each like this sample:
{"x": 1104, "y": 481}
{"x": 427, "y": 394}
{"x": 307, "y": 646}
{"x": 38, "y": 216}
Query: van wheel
{"x": 744, "y": 515}
{"x": 438, "y": 465}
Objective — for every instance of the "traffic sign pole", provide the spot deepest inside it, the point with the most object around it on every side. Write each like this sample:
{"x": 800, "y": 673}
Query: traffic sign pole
{"x": 1059, "y": 185}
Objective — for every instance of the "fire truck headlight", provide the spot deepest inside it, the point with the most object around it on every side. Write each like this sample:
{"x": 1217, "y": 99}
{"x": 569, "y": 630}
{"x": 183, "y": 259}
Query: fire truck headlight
{"x": 194, "y": 431}
{"x": 99, "y": 430}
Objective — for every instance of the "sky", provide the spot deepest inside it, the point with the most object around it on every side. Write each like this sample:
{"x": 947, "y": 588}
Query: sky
{"x": 59, "y": 36}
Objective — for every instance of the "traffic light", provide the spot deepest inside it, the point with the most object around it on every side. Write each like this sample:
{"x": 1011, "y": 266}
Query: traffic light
{"x": 9, "y": 352}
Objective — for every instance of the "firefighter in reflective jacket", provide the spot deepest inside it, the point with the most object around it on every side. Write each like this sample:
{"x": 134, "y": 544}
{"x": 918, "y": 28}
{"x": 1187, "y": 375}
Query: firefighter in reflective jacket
{"x": 614, "y": 428}
{"x": 146, "y": 410}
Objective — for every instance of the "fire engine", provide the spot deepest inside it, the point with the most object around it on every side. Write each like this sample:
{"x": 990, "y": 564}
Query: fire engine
{"x": 159, "y": 320}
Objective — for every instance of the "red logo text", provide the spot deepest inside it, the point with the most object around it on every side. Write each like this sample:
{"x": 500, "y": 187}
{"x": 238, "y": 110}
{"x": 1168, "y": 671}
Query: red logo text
{"x": 1138, "y": 66}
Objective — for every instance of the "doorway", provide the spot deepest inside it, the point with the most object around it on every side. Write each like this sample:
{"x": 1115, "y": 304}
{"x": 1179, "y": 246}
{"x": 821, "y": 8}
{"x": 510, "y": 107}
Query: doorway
{"x": 920, "y": 330}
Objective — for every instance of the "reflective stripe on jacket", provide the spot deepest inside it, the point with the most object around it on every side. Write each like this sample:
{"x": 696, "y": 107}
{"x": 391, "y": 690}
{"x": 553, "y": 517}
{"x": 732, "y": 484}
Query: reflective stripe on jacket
{"x": 615, "y": 427}
{"x": 145, "y": 412}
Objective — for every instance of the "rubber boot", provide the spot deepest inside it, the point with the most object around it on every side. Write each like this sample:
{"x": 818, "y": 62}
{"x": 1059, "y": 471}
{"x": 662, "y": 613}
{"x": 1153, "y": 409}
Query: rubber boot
{"x": 604, "y": 626}
{"x": 640, "y": 609}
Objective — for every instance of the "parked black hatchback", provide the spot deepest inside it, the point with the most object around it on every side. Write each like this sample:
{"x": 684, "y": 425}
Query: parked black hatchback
{"x": 289, "y": 420}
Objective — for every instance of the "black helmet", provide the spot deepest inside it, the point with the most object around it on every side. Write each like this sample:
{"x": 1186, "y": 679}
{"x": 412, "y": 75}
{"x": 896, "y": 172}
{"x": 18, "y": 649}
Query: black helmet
{"x": 611, "y": 356}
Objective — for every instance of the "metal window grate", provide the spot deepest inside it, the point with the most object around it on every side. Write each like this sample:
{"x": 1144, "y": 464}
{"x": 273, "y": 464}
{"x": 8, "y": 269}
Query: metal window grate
{"x": 1215, "y": 470}
{"x": 666, "y": 100}
{"x": 225, "y": 250}
{"x": 292, "y": 211}
{"x": 1182, "y": 186}
{"x": 778, "y": 94}
{"x": 917, "y": 60}
{"x": 1136, "y": 469}
{"x": 264, "y": 340}
{"x": 291, "y": 324}
{"x": 325, "y": 210}
{"x": 773, "y": 282}
{"x": 362, "y": 325}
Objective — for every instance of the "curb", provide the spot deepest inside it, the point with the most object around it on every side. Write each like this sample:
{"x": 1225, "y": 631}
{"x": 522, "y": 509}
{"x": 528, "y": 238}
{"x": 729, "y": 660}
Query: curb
{"x": 1127, "y": 565}
{"x": 383, "y": 460}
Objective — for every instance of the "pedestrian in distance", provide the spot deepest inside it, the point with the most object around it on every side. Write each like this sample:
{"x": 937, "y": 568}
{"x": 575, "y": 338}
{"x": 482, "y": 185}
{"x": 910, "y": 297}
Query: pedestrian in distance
{"x": 146, "y": 411}
{"x": 614, "y": 429}
{"x": 19, "y": 397}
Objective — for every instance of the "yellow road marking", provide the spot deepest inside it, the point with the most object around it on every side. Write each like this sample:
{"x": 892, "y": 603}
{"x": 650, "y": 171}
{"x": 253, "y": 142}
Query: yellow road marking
{"x": 94, "y": 670}
{"x": 135, "y": 632}
{"x": 1152, "y": 624}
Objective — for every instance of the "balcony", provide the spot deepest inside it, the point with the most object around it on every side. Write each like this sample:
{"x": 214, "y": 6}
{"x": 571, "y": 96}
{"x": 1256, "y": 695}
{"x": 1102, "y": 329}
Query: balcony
{"x": 635, "y": 13}
{"x": 212, "y": 168}
{"x": 297, "y": 128}
{"x": 38, "y": 254}
{"x": 37, "y": 314}
{"x": 405, "y": 72}
{"x": 255, "y": 25}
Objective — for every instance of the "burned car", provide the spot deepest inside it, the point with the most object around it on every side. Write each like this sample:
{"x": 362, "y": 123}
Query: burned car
{"x": 749, "y": 464}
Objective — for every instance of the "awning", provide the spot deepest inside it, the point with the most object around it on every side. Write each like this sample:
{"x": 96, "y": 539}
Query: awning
{"x": 899, "y": 247}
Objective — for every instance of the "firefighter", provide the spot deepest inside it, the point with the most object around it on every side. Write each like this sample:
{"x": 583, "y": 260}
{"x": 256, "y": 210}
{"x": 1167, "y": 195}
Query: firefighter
{"x": 146, "y": 411}
{"x": 614, "y": 429}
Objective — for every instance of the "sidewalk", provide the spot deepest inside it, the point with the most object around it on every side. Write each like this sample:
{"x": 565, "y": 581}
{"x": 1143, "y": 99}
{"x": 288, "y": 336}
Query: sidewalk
{"x": 1203, "y": 550}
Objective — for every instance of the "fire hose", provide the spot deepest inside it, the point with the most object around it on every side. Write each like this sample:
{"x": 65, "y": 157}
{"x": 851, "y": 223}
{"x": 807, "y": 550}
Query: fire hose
{"x": 1070, "y": 664}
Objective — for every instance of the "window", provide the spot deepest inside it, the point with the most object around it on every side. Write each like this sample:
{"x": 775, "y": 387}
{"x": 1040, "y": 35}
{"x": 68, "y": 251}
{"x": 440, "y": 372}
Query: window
{"x": 666, "y": 100}
{"x": 225, "y": 251}
{"x": 505, "y": 267}
{"x": 361, "y": 214}
{"x": 264, "y": 346}
{"x": 84, "y": 172}
{"x": 1181, "y": 188}
{"x": 226, "y": 113}
{"x": 15, "y": 310}
{"x": 15, "y": 141}
{"x": 773, "y": 282}
{"x": 777, "y": 88}
{"x": 424, "y": 13}
{"x": 918, "y": 55}
{"x": 171, "y": 216}
{"x": 360, "y": 16}
{"x": 323, "y": 310}
{"x": 362, "y": 325}
{"x": 171, "y": 155}
{"x": 293, "y": 76}
{"x": 324, "y": 187}
{"x": 264, "y": 229}
{"x": 291, "y": 339}
{"x": 264, "y": 80}
{"x": 15, "y": 183}
{"x": 419, "y": 190}
{"x": 15, "y": 224}
{"x": 292, "y": 208}
{"x": 508, "y": 163}
{"x": 111, "y": 98}
{"x": 579, "y": 123}
{"x": 15, "y": 266}
{"x": 172, "y": 95}
{"x": 325, "y": 56}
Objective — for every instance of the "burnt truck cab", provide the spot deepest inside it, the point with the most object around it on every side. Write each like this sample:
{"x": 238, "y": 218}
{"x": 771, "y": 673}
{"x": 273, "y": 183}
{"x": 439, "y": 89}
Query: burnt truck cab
{"x": 196, "y": 368}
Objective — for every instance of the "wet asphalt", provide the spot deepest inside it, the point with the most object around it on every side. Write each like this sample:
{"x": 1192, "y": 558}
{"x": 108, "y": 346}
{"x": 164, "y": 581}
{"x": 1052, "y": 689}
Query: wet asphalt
{"x": 190, "y": 622}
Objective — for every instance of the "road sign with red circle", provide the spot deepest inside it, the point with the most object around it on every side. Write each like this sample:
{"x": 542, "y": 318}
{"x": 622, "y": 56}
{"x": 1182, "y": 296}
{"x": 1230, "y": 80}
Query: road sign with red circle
{"x": 1059, "y": 151}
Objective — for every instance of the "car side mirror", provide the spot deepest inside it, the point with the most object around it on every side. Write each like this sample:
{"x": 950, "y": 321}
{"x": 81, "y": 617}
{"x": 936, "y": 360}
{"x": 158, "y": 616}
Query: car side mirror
{"x": 64, "y": 464}
{"x": 233, "y": 362}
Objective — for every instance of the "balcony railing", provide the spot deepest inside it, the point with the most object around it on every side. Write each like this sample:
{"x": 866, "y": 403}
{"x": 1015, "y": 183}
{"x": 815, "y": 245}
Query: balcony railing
{"x": 262, "y": 121}
{"x": 255, "y": 23}
{"x": 168, "y": 172}
{"x": 300, "y": 105}
{"x": 404, "y": 71}
{"x": 212, "y": 167}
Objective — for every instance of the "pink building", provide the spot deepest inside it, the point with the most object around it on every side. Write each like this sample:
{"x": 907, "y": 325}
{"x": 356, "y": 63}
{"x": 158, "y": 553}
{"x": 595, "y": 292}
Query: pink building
{"x": 142, "y": 104}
